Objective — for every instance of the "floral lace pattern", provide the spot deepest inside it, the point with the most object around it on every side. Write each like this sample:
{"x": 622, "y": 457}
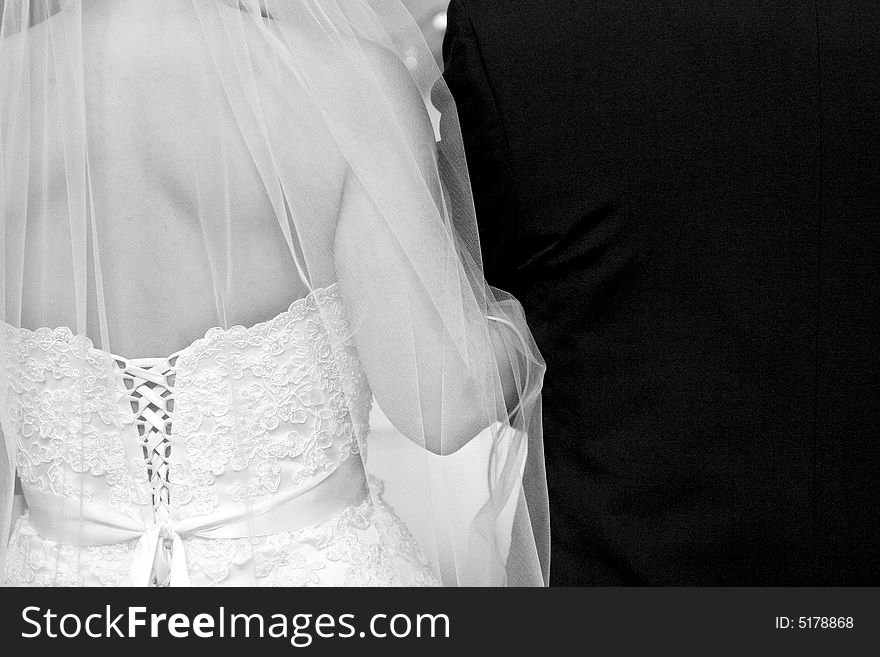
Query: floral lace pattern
{"x": 32, "y": 560}
{"x": 68, "y": 412}
{"x": 272, "y": 408}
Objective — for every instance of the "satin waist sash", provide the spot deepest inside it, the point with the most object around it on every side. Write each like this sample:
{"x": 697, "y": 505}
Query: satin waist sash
{"x": 85, "y": 523}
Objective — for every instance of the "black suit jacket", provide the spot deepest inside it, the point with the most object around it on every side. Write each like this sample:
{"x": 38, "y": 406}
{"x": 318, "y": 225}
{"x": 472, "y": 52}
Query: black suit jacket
{"x": 686, "y": 198}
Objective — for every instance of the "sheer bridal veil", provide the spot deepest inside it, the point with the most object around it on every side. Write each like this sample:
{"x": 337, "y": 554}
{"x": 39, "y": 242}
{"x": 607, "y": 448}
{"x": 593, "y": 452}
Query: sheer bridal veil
{"x": 170, "y": 166}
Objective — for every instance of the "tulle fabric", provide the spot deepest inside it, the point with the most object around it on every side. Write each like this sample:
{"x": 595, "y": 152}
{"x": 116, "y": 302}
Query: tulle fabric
{"x": 171, "y": 166}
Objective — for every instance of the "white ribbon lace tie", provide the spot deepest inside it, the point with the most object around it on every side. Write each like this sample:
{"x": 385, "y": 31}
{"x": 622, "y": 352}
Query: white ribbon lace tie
{"x": 160, "y": 553}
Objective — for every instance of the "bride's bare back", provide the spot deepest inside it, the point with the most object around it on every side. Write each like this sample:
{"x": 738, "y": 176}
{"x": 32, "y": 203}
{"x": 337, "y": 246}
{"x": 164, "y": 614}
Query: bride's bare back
{"x": 169, "y": 168}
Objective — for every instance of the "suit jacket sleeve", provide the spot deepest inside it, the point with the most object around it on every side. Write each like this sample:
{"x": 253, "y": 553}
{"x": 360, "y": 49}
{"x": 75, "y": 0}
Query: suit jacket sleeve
{"x": 486, "y": 146}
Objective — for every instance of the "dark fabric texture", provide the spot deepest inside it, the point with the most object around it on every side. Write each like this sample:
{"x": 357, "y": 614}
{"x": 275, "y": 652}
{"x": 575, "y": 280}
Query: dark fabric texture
{"x": 686, "y": 198}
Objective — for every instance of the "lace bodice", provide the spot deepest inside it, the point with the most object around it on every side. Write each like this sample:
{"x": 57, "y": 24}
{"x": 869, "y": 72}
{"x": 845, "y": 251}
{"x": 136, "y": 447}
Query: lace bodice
{"x": 242, "y": 419}
{"x": 255, "y": 410}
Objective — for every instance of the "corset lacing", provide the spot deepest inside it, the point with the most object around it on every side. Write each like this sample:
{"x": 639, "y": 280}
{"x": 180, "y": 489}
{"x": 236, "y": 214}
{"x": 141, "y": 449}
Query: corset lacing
{"x": 150, "y": 384}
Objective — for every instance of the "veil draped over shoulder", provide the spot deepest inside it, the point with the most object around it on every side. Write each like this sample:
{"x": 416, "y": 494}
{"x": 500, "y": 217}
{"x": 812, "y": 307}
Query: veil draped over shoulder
{"x": 174, "y": 168}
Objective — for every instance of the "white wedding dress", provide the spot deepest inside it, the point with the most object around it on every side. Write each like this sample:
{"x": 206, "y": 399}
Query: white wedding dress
{"x": 169, "y": 166}
{"x": 200, "y": 478}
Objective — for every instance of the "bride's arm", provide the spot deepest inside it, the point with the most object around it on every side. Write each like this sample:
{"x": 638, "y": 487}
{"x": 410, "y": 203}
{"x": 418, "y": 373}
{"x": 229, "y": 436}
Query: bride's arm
{"x": 431, "y": 393}
{"x": 441, "y": 371}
